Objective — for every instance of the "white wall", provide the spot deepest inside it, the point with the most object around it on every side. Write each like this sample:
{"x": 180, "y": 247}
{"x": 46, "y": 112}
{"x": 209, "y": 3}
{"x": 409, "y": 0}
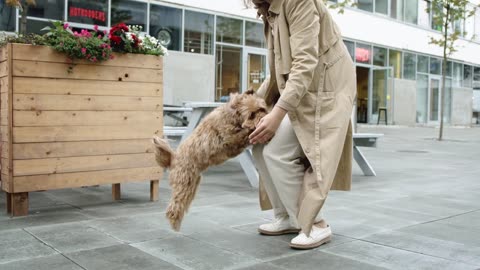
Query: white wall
{"x": 188, "y": 77}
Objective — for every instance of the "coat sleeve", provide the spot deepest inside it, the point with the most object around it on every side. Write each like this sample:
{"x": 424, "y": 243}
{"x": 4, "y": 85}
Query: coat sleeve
{"x": 304, "y": 27}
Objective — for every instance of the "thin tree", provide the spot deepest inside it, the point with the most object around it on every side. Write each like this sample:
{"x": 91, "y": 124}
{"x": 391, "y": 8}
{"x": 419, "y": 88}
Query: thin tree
{"x": 446, "y": 14}
{"x": 23, "y": 6}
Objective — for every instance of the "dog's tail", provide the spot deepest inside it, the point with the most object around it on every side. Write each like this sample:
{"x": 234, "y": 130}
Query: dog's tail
{"x": 163, "y": 152}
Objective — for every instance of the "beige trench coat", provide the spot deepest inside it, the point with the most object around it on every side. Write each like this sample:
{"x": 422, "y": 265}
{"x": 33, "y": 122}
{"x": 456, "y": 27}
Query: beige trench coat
{"x": 312, "y": 77}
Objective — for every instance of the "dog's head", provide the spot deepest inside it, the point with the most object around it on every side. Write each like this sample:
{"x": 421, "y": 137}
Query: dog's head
{"x": 250, "y": 107}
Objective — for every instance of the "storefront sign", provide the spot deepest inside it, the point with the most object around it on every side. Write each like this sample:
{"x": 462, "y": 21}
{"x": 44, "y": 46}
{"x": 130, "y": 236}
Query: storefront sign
{"x": 362, "y": 55}
{"x": 87, "y": 13}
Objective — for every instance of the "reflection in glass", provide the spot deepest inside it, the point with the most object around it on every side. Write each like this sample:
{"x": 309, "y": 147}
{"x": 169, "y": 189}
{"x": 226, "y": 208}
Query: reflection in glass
{"x": 379, "y": 93}
{"x": 48, "y": 9}
{"x": 254, "y": 35}
{"x": 130, "y": 13}
{"x": 409, "y": 66}
{"x": 395, "y": 61}
{"x": 379, "y": 56}
{"x": 366, "y": 5}
{"x": 198, "y": 32}
{"x": 228, "y": 73}
{"x": 229, "y": 30}
{"x": 434, "y": 99}
{"x": 467, "y": 76}
{"x": 422, "y": 64}
{"x": 435, "y": 66}
{"x": 7, "y": 17}
{"x": 256, "y": 69}
{"x": 166, "y": 25}
{"x": 351, "y": 48}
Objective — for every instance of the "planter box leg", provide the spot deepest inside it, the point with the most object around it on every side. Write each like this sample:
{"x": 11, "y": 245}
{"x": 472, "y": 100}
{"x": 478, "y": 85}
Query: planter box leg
{"x": 116, "y": 192}
{"x": 8, "y": 197}
{"x": 154, "y": 190}
{"x": 19, "y": 204}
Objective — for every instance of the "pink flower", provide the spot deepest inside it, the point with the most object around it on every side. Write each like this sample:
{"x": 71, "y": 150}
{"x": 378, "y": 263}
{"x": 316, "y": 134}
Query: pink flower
{"x": 95, "y": 27}
{"x": 111, "y": 56}
{"x": 76, "y": 34}
{"x": 65, "y": 25}
{"x": 93, "y": 59}
{"x": 104, "y": 32}
{"x": 84, "y": 50}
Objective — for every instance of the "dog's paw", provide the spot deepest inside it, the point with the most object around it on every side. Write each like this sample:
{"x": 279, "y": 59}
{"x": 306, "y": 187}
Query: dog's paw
{"x": 174, "y": 215}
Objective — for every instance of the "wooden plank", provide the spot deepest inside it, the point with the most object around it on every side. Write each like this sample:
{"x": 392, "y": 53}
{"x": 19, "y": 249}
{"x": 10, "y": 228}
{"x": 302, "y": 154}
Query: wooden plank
{"x": 78, "y": 179}
{"x": 19, "y": 204}
{"x": 85, "y": 87}
{"x": 6, "y": 183}
{"x": 5, "y": 135}
{"x": 5, "y": 166}
{"x": 8, "y": 203}
{"x": 4, "y": 118}
{"x": 5, "y": 151}
{"x": 81, "y": 164}
{"x": 3, "y": 54}
{"x": 46, "y": 54}
{"x": 79, "y": 118}
{"x": 4, "y": 84}
{"x": 4, "y": 101}
{"x": 83, "y": 133}
{"x": 78, "y": 149}
{"x": 116, "y": 192}
{"x": 37, "y": 69}
{"x": 85, "y": 103}
{"x": 154, "y": 184}
{"x": 3, "y": 69}
{"x": 8, "y": 168}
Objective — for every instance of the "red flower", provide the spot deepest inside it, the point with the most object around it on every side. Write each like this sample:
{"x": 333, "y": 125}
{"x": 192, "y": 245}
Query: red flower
{"x": 136, "y": 41}
{"x": 115, "y": 39}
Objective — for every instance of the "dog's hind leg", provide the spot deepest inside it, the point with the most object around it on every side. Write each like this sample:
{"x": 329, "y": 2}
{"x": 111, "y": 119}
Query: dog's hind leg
{"x": 184, "y": 189}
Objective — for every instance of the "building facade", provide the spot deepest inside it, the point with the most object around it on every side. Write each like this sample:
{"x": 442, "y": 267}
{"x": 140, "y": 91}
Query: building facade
{"x": 217, "y": 47}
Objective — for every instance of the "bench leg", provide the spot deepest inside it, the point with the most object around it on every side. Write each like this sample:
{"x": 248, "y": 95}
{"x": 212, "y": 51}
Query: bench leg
{"x": 154, "y": 190}
{"x": 116, "y": 192}
{"x": 246, "y": 161}
{"x": 19, "y": 204}
{"x": 197, "y": 115}
{"x": 362, "y": 162}
{"x": 8, "y": 203}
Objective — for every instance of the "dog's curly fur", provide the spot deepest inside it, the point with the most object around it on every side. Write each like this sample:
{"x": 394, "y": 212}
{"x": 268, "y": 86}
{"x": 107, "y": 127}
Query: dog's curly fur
{"x": 223, "y": 134}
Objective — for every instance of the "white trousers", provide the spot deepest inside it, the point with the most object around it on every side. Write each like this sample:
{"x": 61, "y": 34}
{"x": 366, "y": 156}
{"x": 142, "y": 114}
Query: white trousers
{"x": 280, "y": 167}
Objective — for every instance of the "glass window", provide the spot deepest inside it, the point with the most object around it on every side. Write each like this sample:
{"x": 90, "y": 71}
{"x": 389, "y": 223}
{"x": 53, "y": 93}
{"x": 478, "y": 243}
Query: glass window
{"x": 411, "y": 11}
{"x": 351, "y": 48}
{"x": 363, "y": 53}
{"x": 396, "y": 9}
{"x": 366, "y": 5}
{"x": 198, "y": 32}
{"x": 229, "y": 30}
{"x": 228, "y": 78}
{"x": 166, "y": 25}
{"x": 130, "y": 13}
{"x": 395, "y": 61}
{"x": 379, "y": 56}
{"x": 435, "y": 66}
{"x": 422, "y": 65}
{"x": 449, "y": 68}
{"x": 457, "y": 74}
{"x": 254, "y": 35}
{"x": 409, "y": 66}
{"x": 36, "y": 27}
{"x": 381, "y": 6}
{"x": 51, "y": 9}
{"x": 476, "y": 73}
{"x": 436, "y": 20}
{"x": 467, "y": 76}
{"x": 7, "y": 17}
{"x": 423, "y": 15}
{"x": 88, "y": 11}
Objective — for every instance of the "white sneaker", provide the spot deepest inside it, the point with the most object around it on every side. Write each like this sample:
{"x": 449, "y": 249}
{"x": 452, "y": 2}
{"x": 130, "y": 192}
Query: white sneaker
{"x": 278, "y": 227}
{"x": 318, "y": 236}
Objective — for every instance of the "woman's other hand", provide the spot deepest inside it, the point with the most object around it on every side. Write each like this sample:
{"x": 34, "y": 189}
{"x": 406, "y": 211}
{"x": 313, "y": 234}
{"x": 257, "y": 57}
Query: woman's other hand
{"x": 267, "y": 126}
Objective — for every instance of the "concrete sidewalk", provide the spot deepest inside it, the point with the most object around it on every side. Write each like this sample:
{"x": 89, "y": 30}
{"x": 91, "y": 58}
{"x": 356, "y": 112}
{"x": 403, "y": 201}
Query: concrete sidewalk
{"x": 422, "y": 211}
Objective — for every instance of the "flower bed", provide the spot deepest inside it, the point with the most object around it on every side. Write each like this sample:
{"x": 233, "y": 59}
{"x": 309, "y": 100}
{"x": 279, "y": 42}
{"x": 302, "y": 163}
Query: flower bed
{"x": 78, "y": 111}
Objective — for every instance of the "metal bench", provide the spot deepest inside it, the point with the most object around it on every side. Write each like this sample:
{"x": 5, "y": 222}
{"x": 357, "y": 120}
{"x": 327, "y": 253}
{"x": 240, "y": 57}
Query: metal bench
{"x": 364, "y": 140}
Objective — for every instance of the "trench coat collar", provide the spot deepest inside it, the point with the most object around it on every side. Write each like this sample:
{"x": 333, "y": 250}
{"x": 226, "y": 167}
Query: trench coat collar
{"x": 275, "y": 6}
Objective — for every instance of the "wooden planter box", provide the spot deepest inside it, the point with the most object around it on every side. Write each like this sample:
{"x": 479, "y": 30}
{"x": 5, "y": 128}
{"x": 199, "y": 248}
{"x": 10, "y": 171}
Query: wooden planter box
{"x": 69, "y": 125}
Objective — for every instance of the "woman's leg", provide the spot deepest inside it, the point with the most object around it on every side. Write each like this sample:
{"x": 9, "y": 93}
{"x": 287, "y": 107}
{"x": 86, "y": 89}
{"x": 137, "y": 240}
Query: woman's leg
{"x": 282, "y": 157}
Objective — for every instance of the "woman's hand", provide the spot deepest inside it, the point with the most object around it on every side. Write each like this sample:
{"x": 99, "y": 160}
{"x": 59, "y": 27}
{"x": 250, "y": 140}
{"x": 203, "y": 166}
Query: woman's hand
{"x": 267, "y": 126}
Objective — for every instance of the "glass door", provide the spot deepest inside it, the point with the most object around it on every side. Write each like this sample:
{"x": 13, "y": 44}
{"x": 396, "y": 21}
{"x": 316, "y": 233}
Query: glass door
{"x": 379, "y": 93}
{"x": 254, "y": 68}
{"x": 434, "y": 99}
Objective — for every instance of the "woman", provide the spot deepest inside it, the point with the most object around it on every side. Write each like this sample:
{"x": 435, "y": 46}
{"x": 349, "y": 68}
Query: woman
{"x": 312, "y": 80}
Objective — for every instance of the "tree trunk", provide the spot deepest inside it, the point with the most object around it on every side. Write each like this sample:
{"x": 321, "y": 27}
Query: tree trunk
{"x": 23, "y": 19}
{"x": 444, "y": 75}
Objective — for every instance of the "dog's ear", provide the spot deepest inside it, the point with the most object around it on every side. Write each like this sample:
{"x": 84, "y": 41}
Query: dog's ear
{"x": 249, "y": 124}
{"x": 250, "y": 92}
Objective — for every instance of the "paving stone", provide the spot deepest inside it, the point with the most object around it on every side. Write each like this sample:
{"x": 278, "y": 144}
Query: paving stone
{"x": 16, "y": 245}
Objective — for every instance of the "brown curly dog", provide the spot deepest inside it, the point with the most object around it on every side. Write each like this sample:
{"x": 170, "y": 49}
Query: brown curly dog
{"x": 223, "y": 134}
